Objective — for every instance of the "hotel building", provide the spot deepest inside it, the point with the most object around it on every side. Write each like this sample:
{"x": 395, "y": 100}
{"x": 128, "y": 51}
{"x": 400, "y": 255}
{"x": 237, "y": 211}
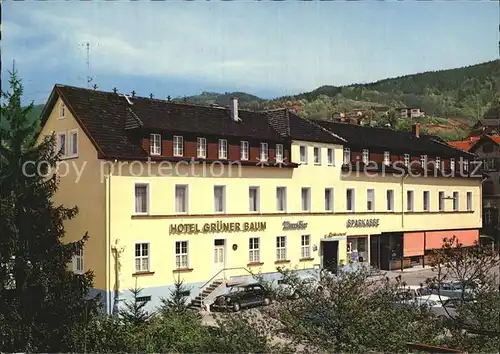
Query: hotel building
{"x": 207, "y": 194}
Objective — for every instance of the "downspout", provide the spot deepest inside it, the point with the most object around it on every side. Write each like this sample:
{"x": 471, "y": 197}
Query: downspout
{"x": 108, "y": 237}
{"x": 403, "y": 216}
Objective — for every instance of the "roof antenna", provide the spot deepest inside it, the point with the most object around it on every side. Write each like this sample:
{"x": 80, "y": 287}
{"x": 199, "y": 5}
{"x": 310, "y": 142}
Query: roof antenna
{"x": 168, "y": 98}
{"x": 151, "y": 96}
{"x": 115, "y": 90}
{"x": 89, "y": 78}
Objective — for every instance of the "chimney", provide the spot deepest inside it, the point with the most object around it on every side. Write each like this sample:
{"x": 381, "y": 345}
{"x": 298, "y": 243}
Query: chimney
{"x": 233, "y": 106}
{"x": 416, "y": 129}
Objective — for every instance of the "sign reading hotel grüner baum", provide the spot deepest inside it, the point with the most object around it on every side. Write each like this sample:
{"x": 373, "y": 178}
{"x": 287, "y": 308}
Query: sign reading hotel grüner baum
{"x": 218, "y": 226}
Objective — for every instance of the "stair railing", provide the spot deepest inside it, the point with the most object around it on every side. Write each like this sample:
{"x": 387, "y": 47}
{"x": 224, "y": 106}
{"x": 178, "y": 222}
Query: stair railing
{"x": 204, "y": 286}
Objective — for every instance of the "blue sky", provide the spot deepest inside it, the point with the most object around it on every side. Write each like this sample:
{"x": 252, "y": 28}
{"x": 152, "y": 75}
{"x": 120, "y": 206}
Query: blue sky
{"x": 266, "y": 48}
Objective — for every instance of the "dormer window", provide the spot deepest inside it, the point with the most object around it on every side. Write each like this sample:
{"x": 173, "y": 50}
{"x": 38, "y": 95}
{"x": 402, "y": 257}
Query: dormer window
{"x": 365, "y": 156}
{"x": 423, "y": 161}
{"x": 201, "y": 148}
{"x": 244, "y": 150}
{"x": 438, "y": 163}
{"x": 178, "y": 145}
{"x": 263, "y": 152}
{"x": 347, "y": 156}
{"x": 62, "y": 110}
{"x": 279, "y": 153}
{"x": 407, "y": 160}
{"x": 222, "y": 149}
{"x": 387, "y": 157}
{"x": 155, "y": 144}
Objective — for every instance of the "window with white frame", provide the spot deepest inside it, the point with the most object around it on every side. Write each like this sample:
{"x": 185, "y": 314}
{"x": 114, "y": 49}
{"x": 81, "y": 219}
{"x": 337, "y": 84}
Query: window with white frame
{"x": 328, "y": 199}
{"x": 317, "y": 155}
{"x": 350, "y": 199}
{"x": 142, "y": 260}
{"x": 181, "y": 199}
{"x": 154, "y": 144}
{"x": 73, "y": 143}
{"x": 78, "y": 266}
{"x": 426, "y": 200}
{"x": 365, "y": 157}
{"x": 61, "y": 143}
{"x": 455, "y": 201}
{"x": 305, "y": 246}
{"x": 253, "y": 198}
{"x": 201, "y": 148}
{"x": 387, "y": 157}
{"x": 178, "y": 145}
{"x": 279, "y": 153}
{"x": 438, "y": 163}
{"x": 222, "y": 149}
{"x": 469, "y": 201}
{"x": 244, "y": 150}
{"x": 281, "y": 248}
{"x": 409, "y": 201}
{"x": 62, "y": 110}
{"x": 220, "y": 199}
{"x": 181, "y": 255}
{"x": 370, "y": 199}
{"x": 347, "y": 156}
{"x": 441, "y": 201}
{"x": 406, "y": 159}
{"x": 264, "y": 152}
{"x": 281, "y": 198}
{"x": 330, "y": 156}
{"x": 452, "y": 164}
{"x": 254, "y": 250}
{"x": 303, "y": 154}
{"x": 141, "y": 198}
{"x": 423, "y": 161}
{"x": 390, "y": 200}
{"x": 306, "y": 198}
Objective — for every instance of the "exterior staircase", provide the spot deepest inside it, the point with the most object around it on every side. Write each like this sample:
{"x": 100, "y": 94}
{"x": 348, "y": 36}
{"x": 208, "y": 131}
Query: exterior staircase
{"x": 207, "y": 295}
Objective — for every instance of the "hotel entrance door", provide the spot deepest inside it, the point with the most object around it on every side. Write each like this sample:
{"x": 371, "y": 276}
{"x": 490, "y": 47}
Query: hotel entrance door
{"x": 330, "y": 255}
{"x": 219, "y": 257}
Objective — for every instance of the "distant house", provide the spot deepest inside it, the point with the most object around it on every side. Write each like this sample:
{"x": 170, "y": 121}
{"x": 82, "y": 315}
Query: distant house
{"x": 490, "y": 124}
{"x": 486, "y": 147}
{"x": 411, "y": 112}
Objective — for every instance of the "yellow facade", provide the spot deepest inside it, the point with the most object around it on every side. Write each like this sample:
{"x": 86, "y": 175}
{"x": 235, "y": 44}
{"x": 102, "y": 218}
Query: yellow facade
{"x": 104, "y": 194}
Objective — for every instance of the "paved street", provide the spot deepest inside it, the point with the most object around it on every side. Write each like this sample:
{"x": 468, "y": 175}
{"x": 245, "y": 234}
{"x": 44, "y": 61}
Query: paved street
{"x": 413, "y": 276}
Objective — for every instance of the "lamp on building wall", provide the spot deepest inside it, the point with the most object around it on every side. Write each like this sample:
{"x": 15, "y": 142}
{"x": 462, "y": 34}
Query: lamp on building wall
{"x": 315, "y": 248}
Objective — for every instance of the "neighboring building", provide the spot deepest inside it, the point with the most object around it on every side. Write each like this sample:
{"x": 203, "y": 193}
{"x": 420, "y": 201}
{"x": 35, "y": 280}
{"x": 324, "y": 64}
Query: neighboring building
{"x": 487, "y": 149}
{"x": 147, "y": 178}
{"x": 414, "y": 112}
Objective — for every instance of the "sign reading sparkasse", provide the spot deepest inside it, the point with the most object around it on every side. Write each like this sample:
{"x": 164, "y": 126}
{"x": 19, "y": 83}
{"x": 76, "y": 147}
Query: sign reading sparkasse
{"x": 362, "y": 223}
{"x": 218, "y": 226}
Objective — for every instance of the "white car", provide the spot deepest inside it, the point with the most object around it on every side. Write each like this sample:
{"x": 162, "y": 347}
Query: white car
{"x": 421, "y": 296}
{"x": 308, "y": 280}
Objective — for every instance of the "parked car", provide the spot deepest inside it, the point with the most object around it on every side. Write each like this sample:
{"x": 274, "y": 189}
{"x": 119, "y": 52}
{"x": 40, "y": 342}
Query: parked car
{"x": 453, "y": 288}
{"x": 449, "y": 310}
{"x": 421, "y": 296}
{"x": 305, "y": 281}
{"x": 242, "y": 295}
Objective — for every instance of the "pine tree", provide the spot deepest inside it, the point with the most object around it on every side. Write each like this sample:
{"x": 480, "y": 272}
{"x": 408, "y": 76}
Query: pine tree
{"x": 41, "y": 301}
{"x": 134, "y": 312}
{"x": 176, "y": 302}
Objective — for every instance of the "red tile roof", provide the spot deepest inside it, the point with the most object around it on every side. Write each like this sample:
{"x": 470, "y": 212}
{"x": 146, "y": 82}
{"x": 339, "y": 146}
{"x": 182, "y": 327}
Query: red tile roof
{"x": 470, "y": 142}
{"x": 465, "y": 145}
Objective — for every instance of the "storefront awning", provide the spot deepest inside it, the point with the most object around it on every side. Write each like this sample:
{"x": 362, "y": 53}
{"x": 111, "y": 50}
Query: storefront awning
{"x": 434, "y": 239}
{"x": 413, "y": 244}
